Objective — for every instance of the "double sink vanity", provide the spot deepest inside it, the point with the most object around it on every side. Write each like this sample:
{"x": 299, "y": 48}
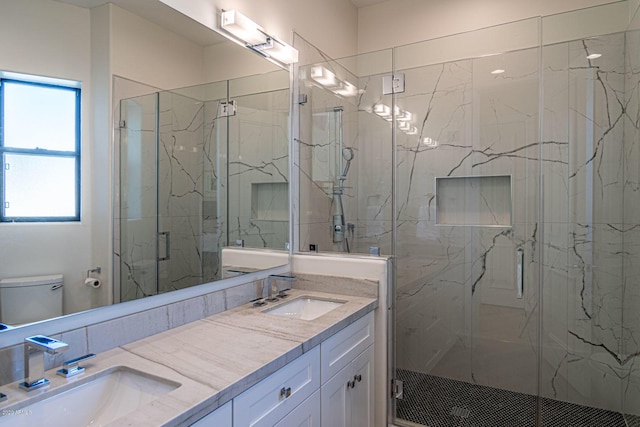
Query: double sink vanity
{"x": 292, "y": 361}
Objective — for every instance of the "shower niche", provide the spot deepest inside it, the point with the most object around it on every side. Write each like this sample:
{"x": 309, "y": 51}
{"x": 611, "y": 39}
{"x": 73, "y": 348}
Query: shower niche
{"x": 474, "y": 201}
{"x": 270, "y": 201}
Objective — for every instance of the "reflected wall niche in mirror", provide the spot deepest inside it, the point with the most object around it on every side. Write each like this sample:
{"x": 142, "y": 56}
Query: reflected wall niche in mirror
{"x": 164, "y": 193}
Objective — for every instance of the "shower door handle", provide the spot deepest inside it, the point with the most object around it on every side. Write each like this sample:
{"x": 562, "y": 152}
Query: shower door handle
{"x": 167, "y": 245}
{"x": 519, "y": 273}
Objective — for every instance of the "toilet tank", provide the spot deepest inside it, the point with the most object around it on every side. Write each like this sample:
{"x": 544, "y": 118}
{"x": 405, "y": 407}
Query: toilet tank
{"x": 30, "y": 299}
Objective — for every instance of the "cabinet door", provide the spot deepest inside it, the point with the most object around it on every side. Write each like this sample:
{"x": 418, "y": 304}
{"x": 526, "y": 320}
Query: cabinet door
{"x": 347, "y": 398}
{"x": 221, "y": 417}
{"x": 307, "y": 414}
{"x": 334, "y": 400}
{"x": 361, "y": 395}
{"x": 339, "y": 350}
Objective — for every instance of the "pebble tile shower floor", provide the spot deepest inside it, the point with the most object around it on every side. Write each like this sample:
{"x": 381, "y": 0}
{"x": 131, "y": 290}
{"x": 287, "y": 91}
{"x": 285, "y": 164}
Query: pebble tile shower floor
{"x": 441, "y": 402}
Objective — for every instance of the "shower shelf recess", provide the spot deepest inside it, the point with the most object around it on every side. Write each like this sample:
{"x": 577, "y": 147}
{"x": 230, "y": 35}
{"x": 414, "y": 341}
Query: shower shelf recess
{"x": 474, "y": 201}
{"x": 270, "y": 201}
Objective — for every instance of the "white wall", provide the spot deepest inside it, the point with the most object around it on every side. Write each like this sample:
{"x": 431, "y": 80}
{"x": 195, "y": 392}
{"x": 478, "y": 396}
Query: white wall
{"x": 400, "y": 22}
{"x": 145, "y": 52}
{"x": 330, "y": 24}
{"x": 101, "y": 157}
{"x": 228, "y": 60}
{"x": 51, "y": 39}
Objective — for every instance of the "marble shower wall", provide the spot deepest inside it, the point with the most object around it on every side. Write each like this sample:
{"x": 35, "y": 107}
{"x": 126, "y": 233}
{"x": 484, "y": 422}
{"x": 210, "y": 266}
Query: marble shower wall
{"x": 366, "y": 196}
{"x": 375, "y": 175}
{"x": 590, "y": 257}
{"x": 258, "y": 170}
{"x": 320, "y": 165}
{"x": 631, "y": 236}
{"x": 471, "y": 123}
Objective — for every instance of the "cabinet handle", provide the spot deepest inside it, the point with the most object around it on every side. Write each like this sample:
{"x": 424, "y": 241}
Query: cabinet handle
{"x": 351, "y": 384}
{"x": 285, "y": 392}
{"x": 357, "y": 378}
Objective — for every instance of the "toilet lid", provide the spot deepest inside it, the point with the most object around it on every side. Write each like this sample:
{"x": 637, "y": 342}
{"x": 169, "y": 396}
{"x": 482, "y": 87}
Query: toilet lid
{"x": 31, "y": 281}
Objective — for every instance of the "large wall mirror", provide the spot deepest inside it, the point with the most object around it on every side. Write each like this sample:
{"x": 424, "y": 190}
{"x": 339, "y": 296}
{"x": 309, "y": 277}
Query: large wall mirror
{"x": 174, "y": 167}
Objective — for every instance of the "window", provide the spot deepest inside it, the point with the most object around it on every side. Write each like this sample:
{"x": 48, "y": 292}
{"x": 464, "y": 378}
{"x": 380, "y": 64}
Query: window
{"x": 40, "y": 149}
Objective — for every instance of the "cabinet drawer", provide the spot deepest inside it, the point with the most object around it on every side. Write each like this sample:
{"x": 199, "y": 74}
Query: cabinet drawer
{"x": 339, "y": 350}
{"x": 266, "y": 403}
{"x": 307, "y": 414}
{"x": 221, "y": 417}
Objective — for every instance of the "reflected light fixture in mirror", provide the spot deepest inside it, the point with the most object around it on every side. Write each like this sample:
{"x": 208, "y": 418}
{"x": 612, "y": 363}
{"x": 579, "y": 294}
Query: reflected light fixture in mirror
{"x": 245, "y": 32}
{"x": 328, "y": 80}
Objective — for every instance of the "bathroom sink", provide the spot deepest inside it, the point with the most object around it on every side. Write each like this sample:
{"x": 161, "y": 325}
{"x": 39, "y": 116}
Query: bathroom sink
{"x": 93, "y": 401}
{"x": 305, "y": 308}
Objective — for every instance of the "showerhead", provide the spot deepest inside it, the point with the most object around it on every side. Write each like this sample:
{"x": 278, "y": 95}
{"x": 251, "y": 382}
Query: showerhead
{"x": 347, "y": 154}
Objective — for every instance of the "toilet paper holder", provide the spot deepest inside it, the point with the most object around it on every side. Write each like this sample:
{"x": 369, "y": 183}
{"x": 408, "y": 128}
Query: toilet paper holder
{"x": 96, "y": 270}
{"x": 93, "y": 282}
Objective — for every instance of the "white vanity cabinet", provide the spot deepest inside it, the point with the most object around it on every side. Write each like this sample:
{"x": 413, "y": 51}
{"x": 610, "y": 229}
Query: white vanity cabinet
{"x": 331, "y": 385}
{"x": 221, "y": 417}
{"x": 347, "y": 396}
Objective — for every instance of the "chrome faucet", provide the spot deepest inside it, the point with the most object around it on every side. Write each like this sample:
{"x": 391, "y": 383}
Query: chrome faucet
{"x": 283, "y": 283}
{"x": 34, "y": 349}
{"x": 263, "y": 293}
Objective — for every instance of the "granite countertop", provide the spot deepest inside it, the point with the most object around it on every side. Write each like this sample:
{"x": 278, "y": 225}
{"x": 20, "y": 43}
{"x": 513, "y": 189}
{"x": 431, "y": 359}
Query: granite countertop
{"x": 214, "y": 359}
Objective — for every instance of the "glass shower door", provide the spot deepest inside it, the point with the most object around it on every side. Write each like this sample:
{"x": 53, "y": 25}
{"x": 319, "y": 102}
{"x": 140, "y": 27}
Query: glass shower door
{"x": 138, "y": 197}
{"x": 162, "y": 194}
{"x": 466, "y": 335}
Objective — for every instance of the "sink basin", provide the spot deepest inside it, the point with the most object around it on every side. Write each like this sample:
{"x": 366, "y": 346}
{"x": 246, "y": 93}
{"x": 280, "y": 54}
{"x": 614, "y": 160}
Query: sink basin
{"x": 97, "y": 401}
{"x": 305, "y": 308}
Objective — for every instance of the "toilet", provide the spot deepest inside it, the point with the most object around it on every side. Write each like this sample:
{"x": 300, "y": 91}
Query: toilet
{"x": 30, "y": 299}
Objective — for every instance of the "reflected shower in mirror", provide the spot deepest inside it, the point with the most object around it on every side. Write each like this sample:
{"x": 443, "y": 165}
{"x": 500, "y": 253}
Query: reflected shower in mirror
{"x": 201, "y": 168}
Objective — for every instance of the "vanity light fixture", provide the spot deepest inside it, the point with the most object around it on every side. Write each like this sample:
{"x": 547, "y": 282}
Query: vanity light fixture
{"x": 594, "y": 56}
{"x": 497, "y": 71}
{"x": 245, "y": 32}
